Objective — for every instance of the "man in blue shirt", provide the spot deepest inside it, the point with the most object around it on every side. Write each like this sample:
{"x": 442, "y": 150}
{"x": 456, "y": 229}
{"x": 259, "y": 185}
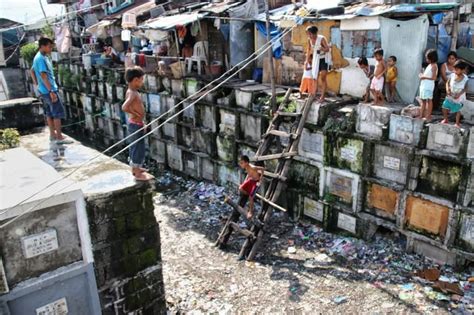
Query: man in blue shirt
{"x": 43, "y": 79}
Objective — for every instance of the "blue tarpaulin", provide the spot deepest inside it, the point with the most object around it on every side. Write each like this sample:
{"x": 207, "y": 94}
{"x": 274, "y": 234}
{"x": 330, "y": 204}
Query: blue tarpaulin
{"x": 274, "y": 32}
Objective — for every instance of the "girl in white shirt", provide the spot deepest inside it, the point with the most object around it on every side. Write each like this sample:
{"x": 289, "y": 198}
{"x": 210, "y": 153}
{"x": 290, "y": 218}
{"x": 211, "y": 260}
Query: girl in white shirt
{"x": 455, "y": 92}
{"x": 427, "y": 83}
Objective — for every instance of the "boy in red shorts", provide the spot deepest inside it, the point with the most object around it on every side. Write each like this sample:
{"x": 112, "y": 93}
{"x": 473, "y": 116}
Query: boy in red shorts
{"x": 249, "y": 187}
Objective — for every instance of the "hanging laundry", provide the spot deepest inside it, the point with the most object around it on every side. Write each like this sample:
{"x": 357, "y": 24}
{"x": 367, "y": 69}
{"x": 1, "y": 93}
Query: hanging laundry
{"x": 156, "y": 35}
{"x": 277, "y": 47}
{"x": 62, "y": 35}
{"x": 83, "y": 4}
{"x": 217, "y": 23}
{"x": 181, "y": 30}
{"x": 195, "y": 28}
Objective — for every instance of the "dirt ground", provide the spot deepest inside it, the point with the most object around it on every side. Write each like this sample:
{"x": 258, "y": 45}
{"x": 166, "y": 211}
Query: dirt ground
{"x": 288, "y": 276}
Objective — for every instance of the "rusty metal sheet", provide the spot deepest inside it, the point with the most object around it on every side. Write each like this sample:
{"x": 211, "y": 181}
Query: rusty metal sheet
{"x": 382, "y": 198}
{"x": 425, "y": 215}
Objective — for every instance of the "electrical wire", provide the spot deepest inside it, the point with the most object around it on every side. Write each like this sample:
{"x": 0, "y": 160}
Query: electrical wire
{"x": 55, "y": 17}
{"x": 161, "y": 116}
{"x": 169, "y": 111}
{"x": 44, "y": 12}
{"x": 16, "y": 48}
{"x": 262, "y": 50}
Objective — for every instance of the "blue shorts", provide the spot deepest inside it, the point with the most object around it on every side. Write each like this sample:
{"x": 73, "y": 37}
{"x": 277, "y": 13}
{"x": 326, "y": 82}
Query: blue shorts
{"x": 453, "y": 107}
{"x": 53, "y": 110}
{"x": 137, "y": 150}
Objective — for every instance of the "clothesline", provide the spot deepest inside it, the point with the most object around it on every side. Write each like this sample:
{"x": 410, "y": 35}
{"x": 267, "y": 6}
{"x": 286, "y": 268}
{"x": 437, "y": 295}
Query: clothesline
{"x": 53, "y": 18}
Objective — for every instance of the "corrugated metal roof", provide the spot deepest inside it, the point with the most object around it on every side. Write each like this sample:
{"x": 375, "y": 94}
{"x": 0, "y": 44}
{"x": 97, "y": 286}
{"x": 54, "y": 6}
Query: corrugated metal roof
{"x": 171, "y": 21}
{"x": 278, "y": 13}
{"x": 373, "y": 9}
{"x": 100, "y": 24}
{"x": 218, "y": 8}
{"x": 138, "y": 7}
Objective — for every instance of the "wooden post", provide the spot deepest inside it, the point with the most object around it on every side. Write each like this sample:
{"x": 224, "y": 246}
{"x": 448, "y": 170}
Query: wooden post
{"x": 270, "y": 56}
{"x": 178, "y": 53}
{"x": 455, "y": 30}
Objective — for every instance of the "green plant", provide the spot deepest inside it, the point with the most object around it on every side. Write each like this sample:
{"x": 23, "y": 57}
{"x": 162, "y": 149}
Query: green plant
{"x": 47, "y": 31}
{"x": 9, "y": 138}
{"x": 68, "y": 81}
{"x": 110, "y": 78}
{"x": 76, "y": 81}
{"x": 28, "y": 52}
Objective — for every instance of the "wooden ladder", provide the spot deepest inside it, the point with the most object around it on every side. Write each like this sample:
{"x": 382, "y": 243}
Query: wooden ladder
{"x": 277, "y": 179}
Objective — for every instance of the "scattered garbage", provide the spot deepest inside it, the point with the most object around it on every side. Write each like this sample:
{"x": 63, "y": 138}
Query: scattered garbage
{"x": 382, "y": 264}
{"x": 340, "y": 299}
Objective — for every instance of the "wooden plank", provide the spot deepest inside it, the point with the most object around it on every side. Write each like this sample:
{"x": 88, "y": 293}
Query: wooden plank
{"x": 286, "y": 114}
{"x": 274, "y": 156}
{"x": 240, "y": 230}
{"x": 275, "y": 176}
{"x": 242, "y": 211}
{"x": 274, "y": 205}
{"x": 280, "y": 133}
{"x": 251, "y": 246}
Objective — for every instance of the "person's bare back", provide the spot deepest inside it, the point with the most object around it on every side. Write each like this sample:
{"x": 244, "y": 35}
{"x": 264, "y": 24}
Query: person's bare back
{"x": 254, "y": 172}
{"x": 379, "y": 68}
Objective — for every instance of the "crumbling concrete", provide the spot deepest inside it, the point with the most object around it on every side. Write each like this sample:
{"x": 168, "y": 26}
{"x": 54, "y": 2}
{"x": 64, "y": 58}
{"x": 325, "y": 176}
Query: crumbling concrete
{"x": 21, "y": 113}
{"x": 392, "y": 162}
{"x": 372, "y": 120}
{"x": 405, "y": 129}
{"x": 446, "y": 138}
{"x": 44, "y": 240}
{"x": 311, "y": 145}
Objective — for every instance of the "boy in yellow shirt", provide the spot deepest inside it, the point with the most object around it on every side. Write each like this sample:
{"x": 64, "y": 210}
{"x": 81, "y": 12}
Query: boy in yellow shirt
{"x": 392, "y": 74}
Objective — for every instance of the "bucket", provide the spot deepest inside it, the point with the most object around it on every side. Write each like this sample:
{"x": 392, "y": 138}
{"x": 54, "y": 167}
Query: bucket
{"x": 216, "y": 68}
{"x": 257, "y": 75}
{"x": 177, "y": 69}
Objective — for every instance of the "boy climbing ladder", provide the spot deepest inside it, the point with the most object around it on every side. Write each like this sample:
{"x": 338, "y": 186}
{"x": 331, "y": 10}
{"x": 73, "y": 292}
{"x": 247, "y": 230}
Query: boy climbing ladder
{"x": 249, "y": 187}
{"x": 247, "y": 190}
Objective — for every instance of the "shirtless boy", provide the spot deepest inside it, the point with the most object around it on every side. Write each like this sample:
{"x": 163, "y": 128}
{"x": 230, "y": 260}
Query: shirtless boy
{"x": 248, "y": 188}
{"x": 377, "y": 84}
{"x": 133, "y": 106}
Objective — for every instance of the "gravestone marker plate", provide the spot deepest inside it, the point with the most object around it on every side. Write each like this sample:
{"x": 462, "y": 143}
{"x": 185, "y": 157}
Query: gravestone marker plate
{"x": 346, "y": 222}
{"x": 444, "y": 139}
{"x": 313, "y": 209}
{"x": 391, "y": 163}
{"x": 58, "y": 307}
{"x": 41, "y": 243}
{"x": 348, "y": 154}
{"x": 341, "y": 186}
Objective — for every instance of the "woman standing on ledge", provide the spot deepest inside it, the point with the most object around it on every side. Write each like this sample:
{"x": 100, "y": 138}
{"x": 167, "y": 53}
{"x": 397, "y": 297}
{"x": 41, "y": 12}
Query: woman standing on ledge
{"x": 317, "y": 61}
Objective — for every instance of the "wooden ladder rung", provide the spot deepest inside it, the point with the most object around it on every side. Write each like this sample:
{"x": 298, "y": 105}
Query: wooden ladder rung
{"x": 274, "y": 156}
{"x": 242, "y": 231}
{"x": 275, "y": 176}
{"x": 243, "y": 212}
{"x": 274, "y": 205}
{"x": 287, "y": 114}
{"x": 279, "y": 133}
